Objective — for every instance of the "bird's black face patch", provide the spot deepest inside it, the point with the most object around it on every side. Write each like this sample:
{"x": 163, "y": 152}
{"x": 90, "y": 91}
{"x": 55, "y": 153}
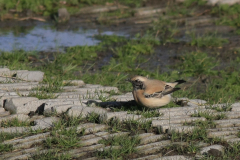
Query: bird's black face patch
{"x": 137, "y": 85}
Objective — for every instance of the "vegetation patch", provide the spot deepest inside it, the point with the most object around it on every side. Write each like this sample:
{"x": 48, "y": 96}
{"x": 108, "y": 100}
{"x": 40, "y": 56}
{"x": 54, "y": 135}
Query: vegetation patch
{"x": 5, "y": 148}
{"x": 210, "y": 115}
{"x": 51, "y": 154}
{"x": 209, "y": 40}
{"x": 189, "y": 149}
{"x": 229, "y": 15}
{"x": 50, "y": 7}
{"x": 198, "y": 134}
{"x": 125, "y": 143}
{"x": 14, "y": 123}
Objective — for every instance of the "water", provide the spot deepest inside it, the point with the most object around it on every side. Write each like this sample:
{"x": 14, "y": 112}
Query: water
{"x": 48, "y": 38}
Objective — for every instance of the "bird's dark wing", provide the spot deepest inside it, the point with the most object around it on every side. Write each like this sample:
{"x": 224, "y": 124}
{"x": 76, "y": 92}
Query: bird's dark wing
{"x": 168, "y": 90}
{"x": 154, "y": 95}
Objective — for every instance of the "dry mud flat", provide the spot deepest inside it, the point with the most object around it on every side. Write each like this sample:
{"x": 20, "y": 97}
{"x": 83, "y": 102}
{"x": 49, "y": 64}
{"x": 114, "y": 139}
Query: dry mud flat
{"x": 82, "y": 99}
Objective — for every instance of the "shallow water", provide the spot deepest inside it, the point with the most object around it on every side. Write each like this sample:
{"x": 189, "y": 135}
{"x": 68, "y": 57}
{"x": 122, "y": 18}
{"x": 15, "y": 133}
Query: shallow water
{"x": 48, "y": 38}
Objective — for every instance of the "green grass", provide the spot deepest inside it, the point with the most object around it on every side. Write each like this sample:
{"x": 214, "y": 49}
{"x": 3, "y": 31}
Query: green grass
{"x": 132, "y": 126}
{"x": 50, "y": 7}
{"x": 190, "y": 148}
{"x": 14, "y": 123}
{"x": 165, "y": 30}
{"x": 190, "y": 3}
{"x": 47, "y": 90}
{"x": 16, "y": 59}
{"x": 210, "y": 116}
{"x": 208, "y": 40}
{"x": 197, "y": 135}
{"x": 229, "y": 15}
{"x": 127, "y": 146}
{"x": 5, "y": 148}
{"x": 51, "y": 154}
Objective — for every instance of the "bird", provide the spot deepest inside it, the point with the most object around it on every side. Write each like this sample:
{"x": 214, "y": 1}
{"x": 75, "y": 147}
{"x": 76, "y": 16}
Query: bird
{"x": 152, "y": 93}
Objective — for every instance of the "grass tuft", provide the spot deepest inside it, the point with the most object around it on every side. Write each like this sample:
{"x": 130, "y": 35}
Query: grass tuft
{"x": 127, "y": 146}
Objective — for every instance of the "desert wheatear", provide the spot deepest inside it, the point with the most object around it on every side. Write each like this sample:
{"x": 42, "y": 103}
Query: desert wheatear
{"x": 152, "y": 93}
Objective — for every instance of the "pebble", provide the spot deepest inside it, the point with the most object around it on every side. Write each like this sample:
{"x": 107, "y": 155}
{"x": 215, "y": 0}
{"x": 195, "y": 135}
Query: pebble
{"x": 213, "y": 150}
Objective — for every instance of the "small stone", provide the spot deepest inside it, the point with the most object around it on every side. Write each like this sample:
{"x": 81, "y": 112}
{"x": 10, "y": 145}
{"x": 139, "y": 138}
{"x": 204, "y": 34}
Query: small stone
{"x": 221, "y": 133}
{"x": 181, "y": 129}
{"x": 165, "y": 127}
{"x": 108, "y": 115}
{"x": 213, "y": 150}
{"x": 108, "y": 148}
{"x": 229, "y": 137}
{"x": 148, "y": 11}
{"x": 87, "y": 148}
{"x": 28, "y": 144}
{"x": 26, "y": 139}
{"x": 74, "y": 82}
{"x": 181, "y": 109}
{"x": 63, "y": 15}
{"x": 33, "y": 76}
{"x": 80, "y": 154}
{"x": 201, "y": 144}
{"x": 3, "y": 71}
{"x": 2, "y": 110}
{"x": 6, "y": 80}
{"x": 98, "y": 9}
{"x": 155, "y": 144}
{"x": 235, "y": 107}
{"x": 17, "y": 104}
{"x": 221, "y": 2}
{"x": 24, "y": 156}
{"x": 82, "y": 127}
{"x": 20, "y": 117}
{"x": 27, "y": 104}
{"x": 227, "y": 123}
{"x": 14, "y": 130}
{"x": 220, "y": 106}
{"x": 145, "y": 135}
{"x": 18, "y": 153}
{"x": 91, "y": 141}
{"x": 44, "y": 123}
{"x": 224, "y": 129}
{"x": 198, "y": 102}
{"x": 152, "y": 150}
{"x": 18, "y": 86}
{"x": 57, "y": 109}
{"x": 84, "y": 94}
{"x": 115, "y": 134}
{"x": 151, "y": 139}
{"x": 95, "y": 129}
{"x": 233, "y": 140}
{"x": 232, "y": 114}
{"x": 122, "y": 97}
{"x": 129, "y": 117}
{"x": 3, "y": 100}
{"x": 84, "y": 111}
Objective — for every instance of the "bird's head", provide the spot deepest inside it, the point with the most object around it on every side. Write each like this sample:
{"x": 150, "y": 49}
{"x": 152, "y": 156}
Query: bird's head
{"x": 137, "y": 82}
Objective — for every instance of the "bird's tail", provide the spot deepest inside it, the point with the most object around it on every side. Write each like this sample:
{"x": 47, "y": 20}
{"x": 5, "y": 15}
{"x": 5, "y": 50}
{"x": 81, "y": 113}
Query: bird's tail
{"x": 180, "y": 81}
{"x": 173, "y": 84}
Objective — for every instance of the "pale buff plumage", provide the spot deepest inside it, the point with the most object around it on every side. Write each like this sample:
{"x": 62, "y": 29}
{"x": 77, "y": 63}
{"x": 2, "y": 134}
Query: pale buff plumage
{"x": 152, "y": 93}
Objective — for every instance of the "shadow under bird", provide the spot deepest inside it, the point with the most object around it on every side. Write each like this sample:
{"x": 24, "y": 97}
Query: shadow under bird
{"x": 152, "y": 93}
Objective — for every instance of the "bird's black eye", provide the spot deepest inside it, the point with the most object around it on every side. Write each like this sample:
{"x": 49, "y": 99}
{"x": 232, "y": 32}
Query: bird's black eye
{"x": 136, "y": 80}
